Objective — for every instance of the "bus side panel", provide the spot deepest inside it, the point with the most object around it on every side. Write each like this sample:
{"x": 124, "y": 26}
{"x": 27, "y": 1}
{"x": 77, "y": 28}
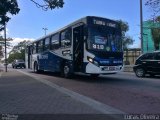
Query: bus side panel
{"x": 50, "y": 61}
{"x": 54, "y": 62}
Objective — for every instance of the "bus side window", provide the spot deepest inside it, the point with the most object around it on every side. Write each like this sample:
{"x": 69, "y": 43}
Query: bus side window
{"x": 55, "y": 42}
{"x": 46, "y": 44}
{"x": 34, "y": 48}
{"x": 40, "y": 46}
{"x": 66, "y": 37}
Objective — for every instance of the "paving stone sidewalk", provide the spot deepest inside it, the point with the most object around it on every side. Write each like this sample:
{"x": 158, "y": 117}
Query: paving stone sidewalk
{"x": 21, "y": 94}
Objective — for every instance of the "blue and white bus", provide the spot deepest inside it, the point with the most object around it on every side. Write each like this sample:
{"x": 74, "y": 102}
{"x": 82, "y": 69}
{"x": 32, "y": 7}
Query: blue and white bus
{"x": 90, "y": 45}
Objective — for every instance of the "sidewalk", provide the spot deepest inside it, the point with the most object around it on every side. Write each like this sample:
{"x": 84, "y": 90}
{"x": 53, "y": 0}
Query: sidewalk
{"x": 21, "y": 94}
{"x": 25, "y": 97}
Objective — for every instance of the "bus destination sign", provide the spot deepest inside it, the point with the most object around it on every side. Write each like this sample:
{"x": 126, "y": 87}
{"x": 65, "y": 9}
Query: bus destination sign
{"x": 104, "y": 23}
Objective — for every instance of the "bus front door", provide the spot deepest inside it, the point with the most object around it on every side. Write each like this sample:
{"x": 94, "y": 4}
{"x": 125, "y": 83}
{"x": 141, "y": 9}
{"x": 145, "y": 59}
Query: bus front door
{"x": 78, "y": 48}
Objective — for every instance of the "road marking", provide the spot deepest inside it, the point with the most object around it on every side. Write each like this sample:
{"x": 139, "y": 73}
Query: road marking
{"x": 105, "y": 109}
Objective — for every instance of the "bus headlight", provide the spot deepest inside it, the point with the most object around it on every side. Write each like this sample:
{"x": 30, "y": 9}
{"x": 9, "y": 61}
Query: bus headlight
{"x": 91, "y": 60}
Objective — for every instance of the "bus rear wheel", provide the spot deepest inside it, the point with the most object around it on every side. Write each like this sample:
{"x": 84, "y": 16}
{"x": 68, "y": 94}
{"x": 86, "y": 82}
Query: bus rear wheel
{"x": 36, "y": 70}
{"x": 66, "y": 72}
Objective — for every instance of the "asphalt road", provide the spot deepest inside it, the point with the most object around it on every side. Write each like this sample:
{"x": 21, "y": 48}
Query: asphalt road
{"x": 123, "y": 91}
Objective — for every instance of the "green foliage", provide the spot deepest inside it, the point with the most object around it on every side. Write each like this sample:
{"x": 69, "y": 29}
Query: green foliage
{"x": 156, "y": 37}
{"x": 18, "y": 51}
{"x": 11, "y": 7}
{"x": 7, "y": 6}
{"x": 126, "y": 40}
{"x": 158, "y": 19}
{"x": 156, "y": 33}
{"x": 154, "y": 5}
{"x": 2, "y": 41}
{"x": 49, "y": 4}
{"x": 16, "y": 55}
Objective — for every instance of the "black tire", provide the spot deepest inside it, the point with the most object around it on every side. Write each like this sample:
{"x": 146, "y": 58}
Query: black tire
{"x": 152, "y": 74}
{"x": 66, "y": 72}
{"x": 94, "y": 75}
{"x": 140, "y": 72}
{"x": 36, "y": 70}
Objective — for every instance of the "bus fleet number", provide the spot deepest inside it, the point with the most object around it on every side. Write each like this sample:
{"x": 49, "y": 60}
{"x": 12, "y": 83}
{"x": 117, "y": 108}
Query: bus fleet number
{"x": 96, "y": 46}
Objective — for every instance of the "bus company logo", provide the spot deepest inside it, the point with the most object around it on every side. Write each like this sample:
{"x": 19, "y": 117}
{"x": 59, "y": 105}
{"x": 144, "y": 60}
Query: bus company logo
{"x": 43, "y": 56}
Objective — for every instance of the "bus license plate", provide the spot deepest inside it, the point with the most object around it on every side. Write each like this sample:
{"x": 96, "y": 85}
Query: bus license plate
{"x": 111, "y": 68}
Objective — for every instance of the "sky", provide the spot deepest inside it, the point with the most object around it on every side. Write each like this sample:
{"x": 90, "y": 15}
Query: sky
{"x": 28, "y": 24}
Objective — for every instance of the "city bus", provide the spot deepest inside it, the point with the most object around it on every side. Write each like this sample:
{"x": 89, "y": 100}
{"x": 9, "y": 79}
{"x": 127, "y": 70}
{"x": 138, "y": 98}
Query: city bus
{"x": 91, "y": 45}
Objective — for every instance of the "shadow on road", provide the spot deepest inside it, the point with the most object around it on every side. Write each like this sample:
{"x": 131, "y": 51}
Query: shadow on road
{"x": 108, "y": 79}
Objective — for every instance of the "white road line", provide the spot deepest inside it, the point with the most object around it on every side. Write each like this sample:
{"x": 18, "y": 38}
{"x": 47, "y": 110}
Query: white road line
{"x": 105, "y": 109}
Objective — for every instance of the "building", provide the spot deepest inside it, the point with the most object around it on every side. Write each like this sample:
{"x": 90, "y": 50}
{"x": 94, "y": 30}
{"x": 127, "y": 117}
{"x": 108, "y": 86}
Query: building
{"x": 148, "y": 44}
{"x": 130, "y": 55}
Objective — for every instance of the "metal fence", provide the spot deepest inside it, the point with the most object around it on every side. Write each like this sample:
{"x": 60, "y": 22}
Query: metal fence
{"x": 130, "y": 55}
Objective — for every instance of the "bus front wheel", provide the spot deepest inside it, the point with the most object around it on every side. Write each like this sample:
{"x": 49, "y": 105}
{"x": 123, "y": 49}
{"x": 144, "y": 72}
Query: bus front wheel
{"x": 94, "y": 75}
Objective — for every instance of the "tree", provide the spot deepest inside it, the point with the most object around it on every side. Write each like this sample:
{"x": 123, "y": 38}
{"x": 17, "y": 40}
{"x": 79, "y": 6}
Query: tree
{"x": 126, "y": 40}
{"x": 2, "y": 41}
{"x": 156, "y": 33}
{"x": 2, "y": 44}
{"x": 154, "y": 5}
{"x": 11, "y": 7}
{"x": 156, "y": 37}
{"x": 18, "y": 51}
{"x": 49, "y": 4}
{"x": 16, "y": 55}
{"x": 7, "y": 6}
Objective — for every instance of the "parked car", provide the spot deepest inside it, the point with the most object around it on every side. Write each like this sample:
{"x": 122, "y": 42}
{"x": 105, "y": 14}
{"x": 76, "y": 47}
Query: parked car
{"x": 18, "y": 63}
{"x": 148, "y": 63}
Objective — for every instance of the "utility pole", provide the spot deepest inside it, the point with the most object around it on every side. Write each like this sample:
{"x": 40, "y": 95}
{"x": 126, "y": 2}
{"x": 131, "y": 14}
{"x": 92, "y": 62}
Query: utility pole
{"x": 5, "y": 46}
{"x": 141, "y": 24}
{"x": 45, "y": 31}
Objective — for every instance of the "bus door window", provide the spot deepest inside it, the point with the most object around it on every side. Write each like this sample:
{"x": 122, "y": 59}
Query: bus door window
{"x": 34, "y": 48}
{"x": 78, "y": 47}
{"x": 66, "y": 38}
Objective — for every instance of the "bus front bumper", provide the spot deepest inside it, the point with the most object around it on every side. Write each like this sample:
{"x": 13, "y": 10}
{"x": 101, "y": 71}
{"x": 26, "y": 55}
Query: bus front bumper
{"x": 93, "y": 69}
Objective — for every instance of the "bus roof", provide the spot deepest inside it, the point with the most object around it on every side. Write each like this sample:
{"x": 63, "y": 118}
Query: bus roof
{"x": 83, "y": 20}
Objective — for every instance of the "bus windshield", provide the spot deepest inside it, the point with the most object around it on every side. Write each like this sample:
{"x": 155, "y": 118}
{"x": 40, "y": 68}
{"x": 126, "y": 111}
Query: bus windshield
{"x": 103, "y": 38}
